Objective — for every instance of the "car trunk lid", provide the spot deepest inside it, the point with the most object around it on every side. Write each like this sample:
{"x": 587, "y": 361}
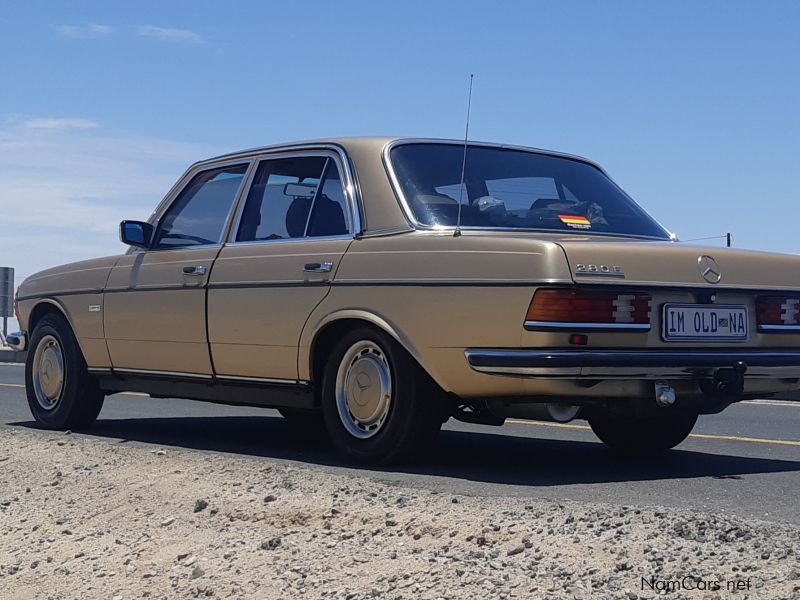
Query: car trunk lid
{"x": 672, "y": 263}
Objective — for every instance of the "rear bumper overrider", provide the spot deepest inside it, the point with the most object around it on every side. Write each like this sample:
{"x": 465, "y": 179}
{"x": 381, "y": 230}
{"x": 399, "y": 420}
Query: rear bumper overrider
{"x": 630, "y": 364}
{"x": 17, "y": 341}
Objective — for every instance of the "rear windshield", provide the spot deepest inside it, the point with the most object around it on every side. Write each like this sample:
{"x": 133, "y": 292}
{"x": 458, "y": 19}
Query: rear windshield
{"x": 506, "y": 188}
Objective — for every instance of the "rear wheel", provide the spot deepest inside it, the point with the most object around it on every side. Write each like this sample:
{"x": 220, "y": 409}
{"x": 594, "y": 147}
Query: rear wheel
{"x": 643, "y": 435}
{"x": 61, "y": 393}
{"x": 379, "y": 406}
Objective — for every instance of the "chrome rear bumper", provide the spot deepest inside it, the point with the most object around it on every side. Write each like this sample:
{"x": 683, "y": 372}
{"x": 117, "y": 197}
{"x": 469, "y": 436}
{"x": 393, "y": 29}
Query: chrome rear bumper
{"x": 630, "y": 364}
{"x": 17, "y": 341}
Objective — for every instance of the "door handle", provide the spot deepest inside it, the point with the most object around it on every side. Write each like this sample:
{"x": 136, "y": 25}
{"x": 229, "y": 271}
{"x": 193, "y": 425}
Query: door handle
{"x": 318, "y": 267}
{"x": 196, "y": 270}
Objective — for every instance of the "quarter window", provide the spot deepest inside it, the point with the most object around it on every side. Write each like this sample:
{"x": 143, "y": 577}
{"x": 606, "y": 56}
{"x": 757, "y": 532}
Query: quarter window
{"x": 294, "y": 198}
{"x": 199, "y": 213}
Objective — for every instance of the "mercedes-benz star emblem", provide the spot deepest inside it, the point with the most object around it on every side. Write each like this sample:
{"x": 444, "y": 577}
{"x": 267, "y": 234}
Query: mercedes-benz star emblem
{"x": 709, "y": 269}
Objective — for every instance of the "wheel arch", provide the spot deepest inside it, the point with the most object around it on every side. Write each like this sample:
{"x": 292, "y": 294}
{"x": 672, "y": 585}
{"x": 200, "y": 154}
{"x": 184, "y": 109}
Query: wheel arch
{"x": 326, "y": 331}
{"x": 44, "y": 307}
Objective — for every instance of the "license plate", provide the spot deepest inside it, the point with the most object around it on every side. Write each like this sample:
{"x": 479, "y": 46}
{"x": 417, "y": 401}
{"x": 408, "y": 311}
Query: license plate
{"x": 684, "y": 322}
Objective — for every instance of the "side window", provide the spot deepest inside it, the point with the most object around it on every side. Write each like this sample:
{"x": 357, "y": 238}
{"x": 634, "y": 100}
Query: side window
{"x": 286, "y": 200}
{"x": 199, "y": 213}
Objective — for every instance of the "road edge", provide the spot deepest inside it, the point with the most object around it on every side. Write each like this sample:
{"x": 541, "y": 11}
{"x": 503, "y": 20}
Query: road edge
{"x": 12, "y": 356}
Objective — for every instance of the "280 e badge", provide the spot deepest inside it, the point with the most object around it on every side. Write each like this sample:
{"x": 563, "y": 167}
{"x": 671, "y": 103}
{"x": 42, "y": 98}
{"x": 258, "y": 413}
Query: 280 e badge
{"x": 595, "y": 270}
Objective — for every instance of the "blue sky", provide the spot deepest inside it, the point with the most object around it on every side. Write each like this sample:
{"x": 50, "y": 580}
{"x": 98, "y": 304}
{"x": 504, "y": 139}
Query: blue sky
{"x": 691, "y": 106}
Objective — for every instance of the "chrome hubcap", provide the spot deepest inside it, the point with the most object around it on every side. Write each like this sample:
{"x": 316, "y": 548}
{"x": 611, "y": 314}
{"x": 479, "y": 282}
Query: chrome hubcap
{"x": 363, "y": 389}
{"x": 48, "y": 372}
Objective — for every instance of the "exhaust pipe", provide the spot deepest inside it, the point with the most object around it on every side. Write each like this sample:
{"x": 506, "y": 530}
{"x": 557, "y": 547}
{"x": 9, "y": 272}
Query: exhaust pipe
{"x": 665, "y": 395}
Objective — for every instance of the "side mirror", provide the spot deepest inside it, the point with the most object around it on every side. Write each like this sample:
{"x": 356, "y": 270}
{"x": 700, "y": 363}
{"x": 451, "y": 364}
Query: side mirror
{"x": 136, "y": 233}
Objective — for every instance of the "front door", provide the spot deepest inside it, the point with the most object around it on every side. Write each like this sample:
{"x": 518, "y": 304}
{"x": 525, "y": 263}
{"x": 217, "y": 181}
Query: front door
{"x": 294, "y": 227}
{"x": 155, "y": 300}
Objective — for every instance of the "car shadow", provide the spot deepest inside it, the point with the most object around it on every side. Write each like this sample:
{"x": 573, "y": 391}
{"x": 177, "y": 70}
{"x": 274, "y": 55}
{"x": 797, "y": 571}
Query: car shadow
{"x": 475, "y": 455}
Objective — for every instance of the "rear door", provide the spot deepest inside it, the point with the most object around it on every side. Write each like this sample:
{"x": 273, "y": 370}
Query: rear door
{"x": 293, "y": 228}
{"x": 155, "y": 300}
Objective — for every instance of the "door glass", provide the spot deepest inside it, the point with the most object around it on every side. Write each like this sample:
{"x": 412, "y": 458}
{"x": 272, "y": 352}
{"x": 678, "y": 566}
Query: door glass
{"x": 198, "y": 215}
{"x": 284, "y": 201}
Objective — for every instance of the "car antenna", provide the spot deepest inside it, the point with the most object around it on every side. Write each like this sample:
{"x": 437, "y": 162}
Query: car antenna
{"x": 457, "y": 231}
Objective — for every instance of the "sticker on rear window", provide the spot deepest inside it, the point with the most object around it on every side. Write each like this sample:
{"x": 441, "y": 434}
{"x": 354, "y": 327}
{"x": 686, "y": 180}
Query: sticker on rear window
{"x": 575, "y": 221}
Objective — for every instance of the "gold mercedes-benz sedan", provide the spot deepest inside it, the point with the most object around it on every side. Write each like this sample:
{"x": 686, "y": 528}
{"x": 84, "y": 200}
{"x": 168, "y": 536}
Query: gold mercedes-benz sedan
{"x": 381, "y": 286}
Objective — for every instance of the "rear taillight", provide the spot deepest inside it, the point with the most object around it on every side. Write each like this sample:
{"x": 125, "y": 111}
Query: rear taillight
{"x": 778, "y": 311}
{"x": 564, "y": 307}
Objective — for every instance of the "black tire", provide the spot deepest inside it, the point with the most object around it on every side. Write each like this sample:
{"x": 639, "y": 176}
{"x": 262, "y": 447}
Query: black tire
{"x": 415, "y": 406}
{"x": 78, "y": 400}
{"x": 646, "y": 435}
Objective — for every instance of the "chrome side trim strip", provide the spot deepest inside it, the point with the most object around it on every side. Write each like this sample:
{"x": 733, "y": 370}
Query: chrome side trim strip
{"x": 550, "y": 325}
{"x": 447, "y": 282}
{"x": 269, "y": 380}
{"x": 75, "y": 292}
{"x": 156, "y": 288}
{"x": 202, "y": 376}
{"x": 177, "y": 374}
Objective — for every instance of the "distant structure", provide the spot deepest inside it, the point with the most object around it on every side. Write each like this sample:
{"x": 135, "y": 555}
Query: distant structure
{"x": 6, "y": 297}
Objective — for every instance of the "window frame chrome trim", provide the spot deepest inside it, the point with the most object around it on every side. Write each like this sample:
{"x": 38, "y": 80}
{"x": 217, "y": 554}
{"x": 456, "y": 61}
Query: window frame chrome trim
{"x": 412, "y": 220}
{"x": 327, "y": 151}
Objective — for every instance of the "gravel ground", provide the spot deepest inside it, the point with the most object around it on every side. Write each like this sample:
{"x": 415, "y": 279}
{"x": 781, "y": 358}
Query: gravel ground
{"x": 82, "y": 518}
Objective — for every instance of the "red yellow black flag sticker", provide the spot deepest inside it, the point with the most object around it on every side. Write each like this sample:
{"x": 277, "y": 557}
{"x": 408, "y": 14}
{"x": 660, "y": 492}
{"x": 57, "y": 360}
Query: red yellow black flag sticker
{"x": 575, "y": 221}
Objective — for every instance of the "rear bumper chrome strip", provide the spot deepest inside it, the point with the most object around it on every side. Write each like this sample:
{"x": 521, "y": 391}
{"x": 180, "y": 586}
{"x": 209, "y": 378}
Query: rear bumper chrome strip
{"x": 557, "y": 326}
{"x": 646, "y": 364}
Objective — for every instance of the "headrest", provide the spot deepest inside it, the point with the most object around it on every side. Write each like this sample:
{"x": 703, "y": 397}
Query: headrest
{"x": 296, "y": 217}
{"x": 328, "y": 218}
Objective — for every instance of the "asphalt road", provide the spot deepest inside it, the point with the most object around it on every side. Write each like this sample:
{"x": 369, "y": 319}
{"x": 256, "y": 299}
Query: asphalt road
{"x": 745, "y": 461}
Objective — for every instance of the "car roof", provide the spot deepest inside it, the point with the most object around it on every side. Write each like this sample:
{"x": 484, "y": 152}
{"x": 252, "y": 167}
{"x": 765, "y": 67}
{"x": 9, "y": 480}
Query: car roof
{"x": 381, "y": 210}
{"x": 378, "y": 143}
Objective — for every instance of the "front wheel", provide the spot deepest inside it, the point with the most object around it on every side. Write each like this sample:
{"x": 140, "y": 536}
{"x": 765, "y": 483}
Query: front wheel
{"x": 643, "y": 435}
{"x": 61, "y": 393}
{"x": 378, "y": 405}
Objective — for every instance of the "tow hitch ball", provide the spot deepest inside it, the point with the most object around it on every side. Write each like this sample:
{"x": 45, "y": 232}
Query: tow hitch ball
{"x": 726, "y": 383}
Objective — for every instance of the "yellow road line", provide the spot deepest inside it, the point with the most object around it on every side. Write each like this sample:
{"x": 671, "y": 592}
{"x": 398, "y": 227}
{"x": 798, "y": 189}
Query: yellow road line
{"x": 738, "y": 438}
{"x": 767, "y": 402}
{"x": 548, "y": 424}
{"x": 704, "y": 436}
